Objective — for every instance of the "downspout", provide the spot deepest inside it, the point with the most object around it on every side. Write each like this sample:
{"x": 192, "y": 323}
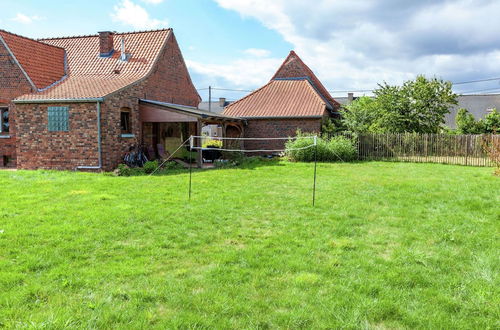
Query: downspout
{"x": 99, "y": 148}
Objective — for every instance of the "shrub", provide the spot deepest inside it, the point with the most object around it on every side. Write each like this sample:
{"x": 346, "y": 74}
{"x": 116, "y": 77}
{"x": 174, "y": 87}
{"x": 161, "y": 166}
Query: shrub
{"x": 342, "y": 148}
{"x": 150, "y": 166}
{"x": 336, "y": 149}
{"x": 124, "y": 170}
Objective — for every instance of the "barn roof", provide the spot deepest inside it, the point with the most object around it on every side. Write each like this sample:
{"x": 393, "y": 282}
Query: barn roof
{"x": 280, "y": 98}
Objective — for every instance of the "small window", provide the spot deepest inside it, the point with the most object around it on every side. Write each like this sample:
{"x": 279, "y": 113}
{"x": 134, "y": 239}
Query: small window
{"x": 4, "y": 120}
{"x": 125, "y": 121}
{"x": 58, "y": 119}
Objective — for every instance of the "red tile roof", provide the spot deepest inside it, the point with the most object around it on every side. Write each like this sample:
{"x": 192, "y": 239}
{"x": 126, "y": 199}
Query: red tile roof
{"x": 294, "y": 67}
{"x": 43, "y": 63}
{"x": 280, "y": 98}
{"x": 92, "y": 76}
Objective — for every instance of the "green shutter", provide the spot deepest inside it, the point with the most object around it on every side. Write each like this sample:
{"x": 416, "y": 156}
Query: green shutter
{"x": 58, "y": 118}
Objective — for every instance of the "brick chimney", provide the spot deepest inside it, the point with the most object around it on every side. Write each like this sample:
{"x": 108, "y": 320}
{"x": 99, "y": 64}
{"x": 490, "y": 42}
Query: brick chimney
{"x": 105, "y": 43}
{"x": 222, "y": 102}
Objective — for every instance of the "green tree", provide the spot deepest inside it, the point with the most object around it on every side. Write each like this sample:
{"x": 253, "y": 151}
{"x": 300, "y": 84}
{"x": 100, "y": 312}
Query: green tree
{"x": 417, "y": 106}
{"x": 466, "y": 123}
{"x": 491, "y": 122}
{"x": 360, "y": 114}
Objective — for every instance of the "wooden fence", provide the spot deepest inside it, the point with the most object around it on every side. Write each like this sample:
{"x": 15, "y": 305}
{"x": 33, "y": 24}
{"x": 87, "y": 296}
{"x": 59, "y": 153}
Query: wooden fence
{"x": 426, "y": 148}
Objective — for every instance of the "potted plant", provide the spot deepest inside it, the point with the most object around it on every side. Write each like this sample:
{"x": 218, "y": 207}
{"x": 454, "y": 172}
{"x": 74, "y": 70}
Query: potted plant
{"x": 212, "y": 153}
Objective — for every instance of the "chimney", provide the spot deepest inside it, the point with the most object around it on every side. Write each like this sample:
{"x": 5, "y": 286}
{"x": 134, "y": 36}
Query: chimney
{"x": 105, "y": 43}
{"x": 222, "y": 102}
{"x": 350, "y": 97}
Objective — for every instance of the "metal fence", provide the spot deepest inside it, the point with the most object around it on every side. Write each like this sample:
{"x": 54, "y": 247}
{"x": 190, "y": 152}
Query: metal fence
{"x": 466, "y": 150}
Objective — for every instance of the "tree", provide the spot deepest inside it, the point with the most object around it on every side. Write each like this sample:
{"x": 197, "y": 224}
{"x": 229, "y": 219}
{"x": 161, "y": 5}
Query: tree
{"x": 359, "y": 115}
{"x": 466, "y": 124}
{"x": 417, "y": 106}
{"x": 491, "y": 122}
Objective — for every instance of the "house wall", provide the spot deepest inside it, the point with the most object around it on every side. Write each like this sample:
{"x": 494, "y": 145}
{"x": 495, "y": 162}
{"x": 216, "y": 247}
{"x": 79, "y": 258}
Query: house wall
{"x": 13, "y": 83}
{"x": 271, "y": 128}
{"x": 37, "y": 147}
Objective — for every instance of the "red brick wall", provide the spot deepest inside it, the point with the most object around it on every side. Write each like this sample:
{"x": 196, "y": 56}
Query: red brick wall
{"x": 37, "y": 147}
{"x": 12, "y": 84}
{"x": 170, "y": 80}
{"x": 266, "y": 128}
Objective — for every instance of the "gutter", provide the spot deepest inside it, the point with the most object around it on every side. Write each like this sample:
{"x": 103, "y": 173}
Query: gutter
{"x": 99, "y": 148}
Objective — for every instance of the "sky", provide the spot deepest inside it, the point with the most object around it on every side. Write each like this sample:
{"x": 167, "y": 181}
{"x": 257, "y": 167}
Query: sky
{"x": 351, "y": 45}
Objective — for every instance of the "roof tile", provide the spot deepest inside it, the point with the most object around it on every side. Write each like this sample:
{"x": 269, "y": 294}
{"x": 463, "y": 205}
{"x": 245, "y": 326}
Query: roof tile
{"x": 91, "y": 76}
{"x": 43, "y": 63}
{"x": 280, "y": 98}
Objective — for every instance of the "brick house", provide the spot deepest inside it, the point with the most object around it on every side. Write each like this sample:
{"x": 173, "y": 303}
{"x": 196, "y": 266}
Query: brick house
{"x": 293, "y": 99}
{"x": 81, "y": 102}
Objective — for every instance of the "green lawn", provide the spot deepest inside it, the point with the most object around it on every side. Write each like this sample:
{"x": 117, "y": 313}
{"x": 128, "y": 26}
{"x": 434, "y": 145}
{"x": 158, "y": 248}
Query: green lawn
{"x": 388, "y": 245}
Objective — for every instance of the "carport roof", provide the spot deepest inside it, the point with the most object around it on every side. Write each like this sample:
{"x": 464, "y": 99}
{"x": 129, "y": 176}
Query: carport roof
{"x": 192, "y": 111}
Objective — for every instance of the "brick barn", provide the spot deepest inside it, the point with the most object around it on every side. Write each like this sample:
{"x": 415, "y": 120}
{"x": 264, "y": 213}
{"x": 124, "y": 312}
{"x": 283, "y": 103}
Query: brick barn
{"x": 81, "y": 102}
{"x": 293, "y": 99}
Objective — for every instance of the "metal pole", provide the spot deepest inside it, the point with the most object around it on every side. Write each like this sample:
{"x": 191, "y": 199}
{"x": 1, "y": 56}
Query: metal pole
{"x": 209, "y": 98}
{"x": 190, "y": 164}
{"x": 315, "y": 163}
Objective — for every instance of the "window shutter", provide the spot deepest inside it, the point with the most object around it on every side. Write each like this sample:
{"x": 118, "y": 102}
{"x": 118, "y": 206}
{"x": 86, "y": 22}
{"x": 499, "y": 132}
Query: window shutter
{"x": 58, "y": 118}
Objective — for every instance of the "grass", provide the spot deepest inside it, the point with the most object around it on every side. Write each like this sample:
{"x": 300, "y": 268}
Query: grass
{"x": 388, "y": 245}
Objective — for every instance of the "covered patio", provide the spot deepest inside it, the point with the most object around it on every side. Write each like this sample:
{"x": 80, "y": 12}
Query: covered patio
{"x": 166, "y": 126}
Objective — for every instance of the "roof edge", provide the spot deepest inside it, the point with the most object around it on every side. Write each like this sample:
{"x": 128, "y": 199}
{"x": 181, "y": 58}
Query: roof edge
{"x": 83, "y": 100}
{"x": 4, "y": 43}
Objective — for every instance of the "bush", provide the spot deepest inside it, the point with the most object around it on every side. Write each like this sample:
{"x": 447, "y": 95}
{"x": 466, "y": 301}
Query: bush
{"x": 150, "y": 166}
{"x": 343, "y": 148}
{"x": 124, "y": 170}
{"x": 336, "y": 149}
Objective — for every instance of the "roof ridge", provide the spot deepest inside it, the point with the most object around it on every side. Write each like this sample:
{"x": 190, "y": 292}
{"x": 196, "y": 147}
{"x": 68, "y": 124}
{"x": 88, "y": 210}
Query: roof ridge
{"x": 313, "y": 77}
{"x": 96, "y": 35}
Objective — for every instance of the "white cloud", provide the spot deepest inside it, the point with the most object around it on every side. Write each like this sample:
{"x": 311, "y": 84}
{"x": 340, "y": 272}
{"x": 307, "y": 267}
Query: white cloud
{"x": 357, "y": 44}
{"x": 25, "y": 19}
{"x": 257, "y": 52}
{"x": 129, "y": 13}
{"x": 154, "y": 2}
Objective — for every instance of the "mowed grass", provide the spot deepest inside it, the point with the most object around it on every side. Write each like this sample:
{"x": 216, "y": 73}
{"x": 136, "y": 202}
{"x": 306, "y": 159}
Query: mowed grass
{"x": 388, "y": 245}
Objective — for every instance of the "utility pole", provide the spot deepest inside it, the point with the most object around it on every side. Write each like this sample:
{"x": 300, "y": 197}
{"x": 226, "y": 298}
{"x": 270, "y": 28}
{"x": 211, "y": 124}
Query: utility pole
{"x": 209, "y": 98}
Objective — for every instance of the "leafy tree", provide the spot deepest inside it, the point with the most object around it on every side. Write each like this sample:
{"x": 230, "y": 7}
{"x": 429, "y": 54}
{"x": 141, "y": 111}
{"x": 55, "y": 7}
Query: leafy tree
{"x": 360, "y": 115}
{"x": 491, "y": 122}
{"x": 466, "y": 123}
{"x": 331, "y": 126}
{"x": 417, "y": 106}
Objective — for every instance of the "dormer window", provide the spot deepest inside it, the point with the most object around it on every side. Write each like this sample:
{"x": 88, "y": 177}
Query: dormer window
{"x": 4, "y": 120}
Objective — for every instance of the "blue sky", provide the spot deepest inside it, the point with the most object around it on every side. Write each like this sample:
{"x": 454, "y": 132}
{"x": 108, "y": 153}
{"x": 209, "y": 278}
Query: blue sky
{"x": 239, "y": 44}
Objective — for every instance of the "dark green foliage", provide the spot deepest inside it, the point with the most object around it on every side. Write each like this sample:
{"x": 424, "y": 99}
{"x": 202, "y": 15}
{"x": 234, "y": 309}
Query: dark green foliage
{"x": 467, "y": 124}
{"x": 150, "y": 166}
{"x": 331, "y": 126}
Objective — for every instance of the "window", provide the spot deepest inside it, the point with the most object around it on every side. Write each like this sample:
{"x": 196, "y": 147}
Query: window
{"x": 4, "y": 120}
{"x": 125, "y": 121}
{"x": 58, "y": 119}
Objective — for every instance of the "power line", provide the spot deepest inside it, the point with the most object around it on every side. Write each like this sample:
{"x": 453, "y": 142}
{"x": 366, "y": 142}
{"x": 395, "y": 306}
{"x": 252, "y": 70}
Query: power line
{"x": 481, "y": 90}
{"x": 475, "y": 81}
